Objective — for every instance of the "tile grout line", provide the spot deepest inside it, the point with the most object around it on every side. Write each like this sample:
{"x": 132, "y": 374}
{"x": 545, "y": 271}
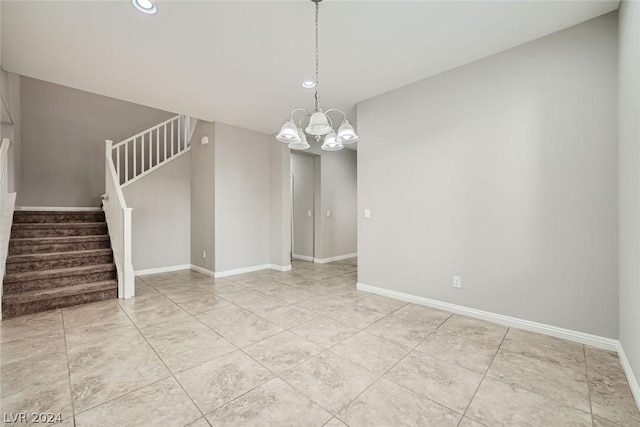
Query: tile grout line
{"x": 586, "y": 373}
{"x": 237, "y": 349}
{"x": 399, "y": 385}
{"x": 165, "y": 365}
{"x": 464, "y": 414}
{"x": 66, "y": 352}
{"x": 132, "y": 391}
{"x": 276, "y": 375}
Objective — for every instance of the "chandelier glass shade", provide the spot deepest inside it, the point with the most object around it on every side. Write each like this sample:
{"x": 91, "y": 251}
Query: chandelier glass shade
{"x": 303, "y": 144}
{"x": 319, "y": 123}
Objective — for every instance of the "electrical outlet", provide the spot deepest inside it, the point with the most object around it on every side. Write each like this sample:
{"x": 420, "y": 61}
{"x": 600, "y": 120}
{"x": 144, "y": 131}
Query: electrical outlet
{"x": 204, "y": 254}
{"x": 457, "y": 282}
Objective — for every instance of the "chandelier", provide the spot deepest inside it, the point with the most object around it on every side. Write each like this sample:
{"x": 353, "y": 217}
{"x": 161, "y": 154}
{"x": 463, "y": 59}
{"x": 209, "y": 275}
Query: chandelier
{"x": 319, "y": 122}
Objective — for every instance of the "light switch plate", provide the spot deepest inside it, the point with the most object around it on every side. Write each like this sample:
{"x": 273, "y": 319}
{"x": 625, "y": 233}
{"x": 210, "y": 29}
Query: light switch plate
{"x": 367, "y": 213}
{"x": 328, "y": 213}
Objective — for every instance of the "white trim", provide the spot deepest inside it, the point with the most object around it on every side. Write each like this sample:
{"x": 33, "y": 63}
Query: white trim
{"x": 631, "y": 378}
{"x": 334, "y": 258}
{"x": 162, "y": 269}
{"x": 202, "y": 270}
{"x": 303, "y": 257}
{"x": 280, "y": 267}
{"x": 6, "y": 222}
{"x": 241, "y": 270}
{"x": 554, "y": 331}
{"x": 58, "y": 208}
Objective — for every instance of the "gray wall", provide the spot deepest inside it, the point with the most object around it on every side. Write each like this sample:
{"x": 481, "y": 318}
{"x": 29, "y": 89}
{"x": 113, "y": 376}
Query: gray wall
{"x": 339, "y": 195}
{"x": 161, "y": 225}
{"x": 10, "y": 90}
{"x": 504, "y": 172}
{"x": 280, "y": 221}
{"x": 242, "y": 198}
{"x": 336, "y": 190}
{"x": 629, "y": 195}
{"x": 63, "y": 134}
{"x": 203, "y": 200}
{"x": 303, "y": 202}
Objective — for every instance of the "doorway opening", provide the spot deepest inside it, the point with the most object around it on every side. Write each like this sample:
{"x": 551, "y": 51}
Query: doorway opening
{"x": 305, "y": 206}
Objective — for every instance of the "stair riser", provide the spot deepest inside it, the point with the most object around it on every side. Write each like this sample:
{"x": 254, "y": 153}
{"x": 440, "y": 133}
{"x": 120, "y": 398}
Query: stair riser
{"x": 59, "y": 232}
{"x": 12, "y": 310}
{"x": 56, "y": 282}
{"x": 57, "y": 247}
{"x": 22, "y": 218}
{"x": 23, "y": 267}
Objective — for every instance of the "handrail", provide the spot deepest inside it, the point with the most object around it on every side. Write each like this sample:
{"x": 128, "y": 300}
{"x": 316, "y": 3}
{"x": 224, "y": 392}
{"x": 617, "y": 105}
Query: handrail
{"x": 146, "y": 131}
{"x": 4, "y": 154}
{"x": 114, "y": 176}
{"x": 118, "y": 217}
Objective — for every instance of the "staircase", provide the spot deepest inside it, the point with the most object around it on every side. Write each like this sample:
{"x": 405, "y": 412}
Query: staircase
{"x": 61, "y": 258}
{"x": 57, "y": 259}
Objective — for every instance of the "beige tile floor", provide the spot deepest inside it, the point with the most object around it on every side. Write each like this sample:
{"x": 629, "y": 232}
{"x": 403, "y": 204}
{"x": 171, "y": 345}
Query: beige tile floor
{"x": 303, "y": 348}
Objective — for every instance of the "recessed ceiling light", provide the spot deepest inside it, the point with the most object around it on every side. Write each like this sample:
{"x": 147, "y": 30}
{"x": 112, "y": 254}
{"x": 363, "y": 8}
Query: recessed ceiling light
{"x": 308, "y": 84}
{"x": 145, "y": 6}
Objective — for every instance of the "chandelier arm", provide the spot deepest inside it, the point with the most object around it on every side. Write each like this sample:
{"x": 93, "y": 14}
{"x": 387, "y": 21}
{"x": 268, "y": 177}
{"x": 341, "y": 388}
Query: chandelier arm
{"x": 344, "y": 116}
{"x": 307, "y": 113}
{"x": 303, "y": 117}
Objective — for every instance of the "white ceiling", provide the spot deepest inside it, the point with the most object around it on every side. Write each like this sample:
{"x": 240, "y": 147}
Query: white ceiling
{"x": 242, "y": 62}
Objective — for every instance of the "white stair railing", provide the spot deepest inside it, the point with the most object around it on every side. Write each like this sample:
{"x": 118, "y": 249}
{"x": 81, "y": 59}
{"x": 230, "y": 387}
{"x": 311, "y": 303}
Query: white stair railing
{"x": 141, "y": 154}
{"x": 118, "y": 217}
{"x": 125, "y": 163}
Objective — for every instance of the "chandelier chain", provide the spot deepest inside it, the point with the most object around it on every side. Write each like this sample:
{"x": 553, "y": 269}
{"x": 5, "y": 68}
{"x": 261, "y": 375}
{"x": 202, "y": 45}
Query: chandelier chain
{"x": 317, "y": 58}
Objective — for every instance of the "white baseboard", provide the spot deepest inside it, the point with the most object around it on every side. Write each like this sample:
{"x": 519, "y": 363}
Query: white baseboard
{"x": 162, "y": 270}
{"x": 202, "y": 270}
{"x": 334, "y": 258}
{"x": 58, "y": 208}
{"x": 554, "y": 331}
{"x": 302, "y": 257}
{"x": 241, "y": 270}
{"x": 251, "y": 269}
{"x": 280, "y": 267}
{"x": 631, "y": 378}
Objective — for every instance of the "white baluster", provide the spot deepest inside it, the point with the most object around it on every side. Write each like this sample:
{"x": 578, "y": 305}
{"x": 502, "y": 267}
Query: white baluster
{"x": 172, "y": 137}
{"x": 118, "y": 165}
{"x": 180, "y": 133}
{"x": 126, "y": 162}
